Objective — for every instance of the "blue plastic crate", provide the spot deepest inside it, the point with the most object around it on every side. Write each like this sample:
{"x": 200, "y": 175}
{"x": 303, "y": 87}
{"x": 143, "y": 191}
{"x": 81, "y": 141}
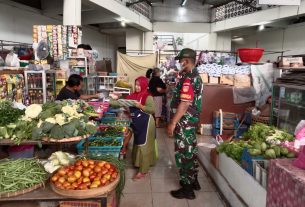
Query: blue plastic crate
{"x": 247, "y": 161}
{"x": 97, "y": 151}
{"x": 109, "y": 114}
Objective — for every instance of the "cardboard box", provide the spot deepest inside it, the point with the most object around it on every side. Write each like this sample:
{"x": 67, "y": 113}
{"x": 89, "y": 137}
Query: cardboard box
{"x": 204, "y": 77}
{"x": 242, "y": 81}
{"x": 214, "y": 80}
{"x": 227, "y": 80}
{"x": 291, "y": 62}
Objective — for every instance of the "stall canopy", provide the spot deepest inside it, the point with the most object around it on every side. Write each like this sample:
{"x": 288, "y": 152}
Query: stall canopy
{"x": 134, "y": 66}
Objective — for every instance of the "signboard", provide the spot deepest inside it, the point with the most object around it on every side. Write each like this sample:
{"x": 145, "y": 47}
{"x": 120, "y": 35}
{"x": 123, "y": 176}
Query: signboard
{"x": 281, "y": 2}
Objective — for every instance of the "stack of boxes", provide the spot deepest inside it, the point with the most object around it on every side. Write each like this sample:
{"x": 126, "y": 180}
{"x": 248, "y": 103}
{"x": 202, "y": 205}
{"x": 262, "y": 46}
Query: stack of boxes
{"x": 229, "y": 123}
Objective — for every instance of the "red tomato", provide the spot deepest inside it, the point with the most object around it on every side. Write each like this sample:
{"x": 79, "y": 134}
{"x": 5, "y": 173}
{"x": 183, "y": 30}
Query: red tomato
{"x": 104, "y": 171}
{"x": 91, "y": 162}
{"x": 86, "y": 172}
{"x": 85, "y": 163}
{"x": 86, "y": 179}
{"x": 61, "y": 180}
{"x": 77, "y": 174}
{"x": 62, "y": 171}
{"x": 107, "y": 165}
{"x": 101, "y": 163}
{"x": 97, "y": 169}
{"x": 72, "y": 179}
{"x": 78, "y": 163}
{"x": 54, "y": 178}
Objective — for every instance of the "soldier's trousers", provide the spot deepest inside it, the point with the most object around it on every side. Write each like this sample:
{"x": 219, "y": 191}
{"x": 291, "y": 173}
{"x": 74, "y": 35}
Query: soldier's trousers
{"x": 186, "y": 152}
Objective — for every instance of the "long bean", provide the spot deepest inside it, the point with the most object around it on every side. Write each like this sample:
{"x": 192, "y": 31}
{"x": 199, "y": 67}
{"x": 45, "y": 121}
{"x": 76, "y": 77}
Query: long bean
{"x": 20, "y": 174}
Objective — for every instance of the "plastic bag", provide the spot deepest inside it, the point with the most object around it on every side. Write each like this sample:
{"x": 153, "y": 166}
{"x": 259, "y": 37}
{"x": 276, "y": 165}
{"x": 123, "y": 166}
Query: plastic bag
{"x": 300, "y": 130}
{"x": 300, "y": 161}
{"x": 12, "y": 60}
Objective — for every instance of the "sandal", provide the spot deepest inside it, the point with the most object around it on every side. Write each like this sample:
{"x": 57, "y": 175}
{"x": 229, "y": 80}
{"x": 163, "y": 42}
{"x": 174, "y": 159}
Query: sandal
{"x": 139, "y": 176}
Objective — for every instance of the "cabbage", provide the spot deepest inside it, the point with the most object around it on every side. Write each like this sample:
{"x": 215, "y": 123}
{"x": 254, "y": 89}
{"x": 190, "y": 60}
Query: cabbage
{"x": 270, "y": 154}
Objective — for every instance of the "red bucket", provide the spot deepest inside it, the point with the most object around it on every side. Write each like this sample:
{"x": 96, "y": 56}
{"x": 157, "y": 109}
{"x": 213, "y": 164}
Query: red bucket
{"x": 249, "y": 55}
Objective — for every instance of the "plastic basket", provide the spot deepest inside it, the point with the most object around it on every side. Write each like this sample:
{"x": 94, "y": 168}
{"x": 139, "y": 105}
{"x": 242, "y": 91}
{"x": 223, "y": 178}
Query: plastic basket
{"x": 97, "y": 151}
{"x": 123, "y": 123}
{"x": 249, "y": 55}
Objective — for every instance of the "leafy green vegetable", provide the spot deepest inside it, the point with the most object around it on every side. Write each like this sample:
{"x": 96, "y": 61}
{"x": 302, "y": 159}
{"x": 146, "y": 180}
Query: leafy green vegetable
{"x": 232, "y": 149}
{"x": 270, "y": 154}
{"x": 8, "y": 113}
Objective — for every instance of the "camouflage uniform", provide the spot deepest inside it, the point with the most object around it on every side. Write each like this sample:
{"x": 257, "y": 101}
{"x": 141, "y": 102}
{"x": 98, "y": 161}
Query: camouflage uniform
{"x": 189, "y": 88}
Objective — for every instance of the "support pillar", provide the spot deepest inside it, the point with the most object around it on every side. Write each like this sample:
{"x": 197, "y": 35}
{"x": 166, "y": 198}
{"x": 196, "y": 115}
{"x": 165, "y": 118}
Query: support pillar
{"x": 72, "y": 10}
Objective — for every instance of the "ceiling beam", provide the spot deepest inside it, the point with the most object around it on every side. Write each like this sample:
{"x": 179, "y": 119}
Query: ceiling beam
{"x": 98, "y": 17}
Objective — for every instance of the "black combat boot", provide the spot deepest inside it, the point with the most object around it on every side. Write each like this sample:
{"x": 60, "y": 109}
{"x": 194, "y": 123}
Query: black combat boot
{"x": 185, "y": 192}
{"x": 195, "y": 185}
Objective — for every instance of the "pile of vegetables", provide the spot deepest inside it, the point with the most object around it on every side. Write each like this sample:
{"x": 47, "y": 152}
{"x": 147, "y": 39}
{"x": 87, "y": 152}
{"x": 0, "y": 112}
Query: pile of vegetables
{"x": 13, "y": 125}
{"x": 20, "y": 174}
{"x": 260, "y": 140}
{"x": 85, "y": 174}
{"x": 111, "y": 132}
{"x": 58, "y": 159}
{"x": 61, "y": 120}
{"x": 102, "y": 143}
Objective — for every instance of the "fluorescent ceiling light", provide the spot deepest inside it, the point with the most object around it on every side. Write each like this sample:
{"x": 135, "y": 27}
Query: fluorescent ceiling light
{"x": 181, "y": 11}
{"x": 183, "y": 2}
{"x": 261, "y": 27}
{"x": 261, "y": 23}
{"x": 239, "y": 39}
{"x": 123, "y": 23}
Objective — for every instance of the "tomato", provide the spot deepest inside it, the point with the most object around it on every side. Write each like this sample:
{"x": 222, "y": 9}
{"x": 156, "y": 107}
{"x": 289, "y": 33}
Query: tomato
{"x": 103, "y": 181}
{"x": 101, "y": 163}
{"x": 107, "y": 176}
{"x": 97, "y": 169}
{"x": 104, "y": 171}
{"x": 92, "y": 177}
{"x": 114, "y": 175}
{"x": 86, "y": 172}
{"x": 77, "y": 174}
{"x": 75, "y": 185}
{"x": 72, "y": 179}
{"x": 61, "y": 180}
{"x": 97, "y": 182}
{"x": 86, "y": 179}
{"x": 85, "y": 163}
{"x": 87, "y": 184}
{"x": 93, "y": 186}
{"x": 107, "y": 165}
{"x": 78, "y": 163}
{"x": 91, "y": 162}
{"x": 80, "y": 180}
{"x": 91, "y": 166}
{"x": 58, "y": 184}
{"x": 70, "y": 173}
{"x": 54, "y": 178}
{"x": 79, "y": 168}
{"x": 110, "y": 170}
{"x": 62, "y": 171}
{"x": 66, "y": 184}
{"x": 71, "y": 168}
{"x": 83, "y": 187}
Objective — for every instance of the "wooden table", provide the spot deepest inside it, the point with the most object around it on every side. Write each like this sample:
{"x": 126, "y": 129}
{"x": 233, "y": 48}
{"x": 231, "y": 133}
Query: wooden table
{"x": 46, "y": 194}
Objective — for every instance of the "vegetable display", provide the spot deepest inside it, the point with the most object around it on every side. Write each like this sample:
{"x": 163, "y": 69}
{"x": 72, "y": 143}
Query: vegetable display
{"x": 111, "y": 132}
{"x": 62, "y": 120}
{"x": 8, "y": 113}
{"x": 101, "y": 143}
{"x": 260, "y": 140}
{"x": 20, "y": 174}
{"x": 85, "y": 174}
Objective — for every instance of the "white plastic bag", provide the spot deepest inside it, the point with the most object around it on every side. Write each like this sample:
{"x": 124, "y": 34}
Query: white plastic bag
{"x": 12, "y": 60}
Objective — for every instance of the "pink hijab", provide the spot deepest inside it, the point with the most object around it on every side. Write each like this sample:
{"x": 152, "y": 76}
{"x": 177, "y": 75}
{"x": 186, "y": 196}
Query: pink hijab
{"x": 143, "y": 94}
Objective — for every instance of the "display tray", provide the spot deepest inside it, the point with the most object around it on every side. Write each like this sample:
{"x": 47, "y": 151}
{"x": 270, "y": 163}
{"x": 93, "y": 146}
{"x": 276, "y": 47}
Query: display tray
{"x": 84, "y": 194}
{"x": 70, "y": 139}
{"x": 20, "y": 192}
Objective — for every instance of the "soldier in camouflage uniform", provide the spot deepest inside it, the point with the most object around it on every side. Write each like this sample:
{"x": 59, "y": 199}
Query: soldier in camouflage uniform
{"x": 186, "y": 107}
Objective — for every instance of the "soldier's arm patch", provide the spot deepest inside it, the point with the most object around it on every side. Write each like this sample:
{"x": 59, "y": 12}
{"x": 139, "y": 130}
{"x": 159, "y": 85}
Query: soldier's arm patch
{"x": 187, "y": 91}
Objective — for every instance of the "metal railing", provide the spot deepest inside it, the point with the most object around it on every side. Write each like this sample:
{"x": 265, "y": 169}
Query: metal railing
{"x": 141, "y": 8}
{"x": 234, "y": 9}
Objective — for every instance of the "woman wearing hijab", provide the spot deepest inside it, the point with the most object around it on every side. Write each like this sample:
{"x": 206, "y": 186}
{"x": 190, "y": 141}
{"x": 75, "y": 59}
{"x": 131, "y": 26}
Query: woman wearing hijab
{"x": 143, "y": 127}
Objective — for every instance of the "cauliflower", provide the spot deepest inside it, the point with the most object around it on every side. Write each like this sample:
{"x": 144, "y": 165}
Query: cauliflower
{"x": 33, "y": 111}
{"x": 60, "y": 119}
{"x": 69, "y": 110}
{"x": 51, "y": 120}
{"x": 39, "y": 123}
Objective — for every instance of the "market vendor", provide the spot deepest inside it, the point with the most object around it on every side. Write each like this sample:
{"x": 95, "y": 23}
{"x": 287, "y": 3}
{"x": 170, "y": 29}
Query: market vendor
{"x": 72, "y": 90}
{"x": 143, "y": 127}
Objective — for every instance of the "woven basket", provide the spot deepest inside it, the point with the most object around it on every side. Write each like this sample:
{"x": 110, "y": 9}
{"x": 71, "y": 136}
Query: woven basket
{"x": 21, "y": 192}
{"x": 84, "y": 194}
{"x": 261, "y": 119}
{"x": 70, "y": 139}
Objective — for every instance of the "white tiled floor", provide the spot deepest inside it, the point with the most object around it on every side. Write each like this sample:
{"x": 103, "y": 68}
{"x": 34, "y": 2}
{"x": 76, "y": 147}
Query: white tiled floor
{"x": 153, "y": 191}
